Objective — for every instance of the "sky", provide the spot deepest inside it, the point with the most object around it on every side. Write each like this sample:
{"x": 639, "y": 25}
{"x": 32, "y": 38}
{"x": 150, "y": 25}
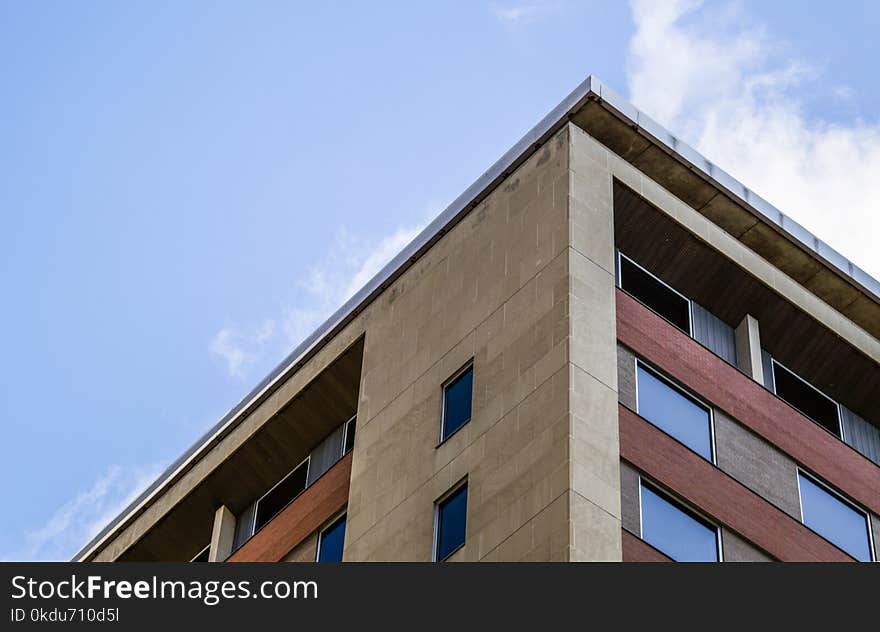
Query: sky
{"x": 187, "y": 189}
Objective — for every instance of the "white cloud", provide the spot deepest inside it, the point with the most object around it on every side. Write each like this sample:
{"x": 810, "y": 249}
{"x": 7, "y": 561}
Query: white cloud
{"x": 515, "y": 13}
{"x": 78, "y": 520}
{"x": 348, "y": 264}
{"x": 736, "y": 95}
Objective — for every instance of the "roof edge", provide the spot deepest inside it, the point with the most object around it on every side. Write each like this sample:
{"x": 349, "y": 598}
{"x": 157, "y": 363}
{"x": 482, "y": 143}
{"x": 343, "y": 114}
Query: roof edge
{"x": 590, "y": 88}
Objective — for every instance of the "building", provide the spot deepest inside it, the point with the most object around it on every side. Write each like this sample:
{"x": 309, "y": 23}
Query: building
{"x": 605, "y": 349}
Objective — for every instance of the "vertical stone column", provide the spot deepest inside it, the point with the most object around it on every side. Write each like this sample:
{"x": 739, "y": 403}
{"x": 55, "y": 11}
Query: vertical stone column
{"x": 594, "y": 495}
{"x": 748, "y": 348}
{"x": 223, "y": 535}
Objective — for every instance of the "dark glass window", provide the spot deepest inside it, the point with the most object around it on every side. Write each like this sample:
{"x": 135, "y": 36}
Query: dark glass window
{"x": 331, "y": 540}
{"x": 678, "y": 532}
{"x": 203, "y": 555}
{"x": 808, "y": 400}
{"x": 451, "y": 519}
{"x": 835, "y": 519}
{"x": 277, "y": 498}
{"x": 457, "y": 396}
{"x": 349, "y": 436}
{"x": 674, "y": 412}
{"x": 652, "y": 292}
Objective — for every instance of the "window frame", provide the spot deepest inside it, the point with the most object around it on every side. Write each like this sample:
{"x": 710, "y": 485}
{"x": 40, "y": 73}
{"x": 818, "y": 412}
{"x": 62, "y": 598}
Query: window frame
{"x": 843, "y": 499}
{"x": 619, "y": 284}
{"x": 686, "y": 392}
{"x": 842, "y": 433}
{"x": 468, "y": 366}
{"x": 337, "y": 517}
{"x": 462, "y": 484}
{"x": 308, "y": 462}
{"x": 200, "y": 553}
{"x": 686, "y": 508}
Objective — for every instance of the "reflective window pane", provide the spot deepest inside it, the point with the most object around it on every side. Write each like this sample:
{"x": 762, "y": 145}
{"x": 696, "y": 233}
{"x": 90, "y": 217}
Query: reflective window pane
{"x": 677, "y": 532}
{"x": 451, "y": 521}
{"x": 654, "y": 294}
{"x": 332, "y": 539}
{"x": 834, "y": 519}
{"x": 457, "y": 397}
{"x": 674, "y": 412}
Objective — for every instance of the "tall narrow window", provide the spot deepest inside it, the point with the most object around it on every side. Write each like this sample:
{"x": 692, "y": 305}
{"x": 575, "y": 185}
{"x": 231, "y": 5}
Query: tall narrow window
{"x": 806, "y": 398}
{"x": 675, "y": 412}
{"x": 451, "y": 518}
{"x": 835, "y": 518}
{"x": 654, "y": 293}
{"x": 457, "y": 396}
{"x": 677, "y": 531}
{"x": 330, "y": 542}
{"x": 279, "y": 496}
{"x": 348, "y": 441}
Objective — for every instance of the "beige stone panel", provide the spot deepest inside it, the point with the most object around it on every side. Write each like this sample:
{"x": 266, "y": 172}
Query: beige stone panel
{"x": 591, "y": 201}
{"x": 595, "y": 446}
{"x": 594, "y": 533}
{"x": 593, "y": 320}
{"x": 222, "y": 535}
{"x": 544, "y": 538}
{"x": 495, "y": 289}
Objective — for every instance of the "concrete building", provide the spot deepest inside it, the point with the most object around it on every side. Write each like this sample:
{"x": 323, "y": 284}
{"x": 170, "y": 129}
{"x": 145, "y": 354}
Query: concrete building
{"x": 605, "y": 349}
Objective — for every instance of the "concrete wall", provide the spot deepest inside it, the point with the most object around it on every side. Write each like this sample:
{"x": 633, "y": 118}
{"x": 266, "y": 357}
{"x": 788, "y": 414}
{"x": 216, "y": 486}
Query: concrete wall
{"x": 523, "y": 286}
{"x": 595, "y": 453}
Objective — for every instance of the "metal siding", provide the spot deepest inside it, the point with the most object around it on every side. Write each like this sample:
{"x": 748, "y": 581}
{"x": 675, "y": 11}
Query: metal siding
{"x": 244, "y": 526}
{"x": 713, "y": 333}
{"x": 766, "y": 361}
{"x": 861, "y": 435}
{"x": 326, "y": 454}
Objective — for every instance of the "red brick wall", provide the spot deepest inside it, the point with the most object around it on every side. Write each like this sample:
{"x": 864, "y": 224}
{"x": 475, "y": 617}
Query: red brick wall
{"x": 746, "y": 401}
{"x": 719, "y": 496}
{"x": 308, "y": 512}
{"x": 637, "y": 550}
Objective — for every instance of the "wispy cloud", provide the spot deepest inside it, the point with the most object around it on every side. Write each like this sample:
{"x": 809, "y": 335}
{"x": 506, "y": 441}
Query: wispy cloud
{"x": 78, "y": 520}
{"x": 519, "y": 12}
{"x": 734, "y": 93}
{"x": 348, "y": 264}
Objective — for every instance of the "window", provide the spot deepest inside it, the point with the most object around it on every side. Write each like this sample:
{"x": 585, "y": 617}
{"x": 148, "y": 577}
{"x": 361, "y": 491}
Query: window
{"x": 203, "y": 555}
{"x": 673, "y": 411}
{"x": 678, "y": 532}
{"x": 457, "y": 394}
{"x": 806, "y": 398}
{"x": 331, "y": 540}
{"x": 654, "y": 293}
{"x": 834, "y": 518}
{"x": 348, "y": 442}
{"x": 451, "y": 517}
{"x": 279, "y": 496}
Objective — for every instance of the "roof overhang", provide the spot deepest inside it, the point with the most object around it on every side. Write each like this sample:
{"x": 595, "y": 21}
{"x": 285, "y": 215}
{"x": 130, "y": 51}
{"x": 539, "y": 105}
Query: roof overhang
{"x": 659, "y": 154}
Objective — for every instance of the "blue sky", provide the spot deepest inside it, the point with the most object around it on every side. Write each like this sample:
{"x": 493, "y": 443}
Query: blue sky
{"x": 188, "y": 188}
